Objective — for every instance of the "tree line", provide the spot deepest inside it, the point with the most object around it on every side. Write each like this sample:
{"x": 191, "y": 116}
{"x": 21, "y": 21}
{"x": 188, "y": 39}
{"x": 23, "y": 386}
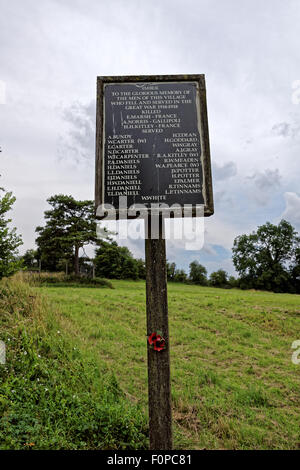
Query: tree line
{"x": 267, "y": 259}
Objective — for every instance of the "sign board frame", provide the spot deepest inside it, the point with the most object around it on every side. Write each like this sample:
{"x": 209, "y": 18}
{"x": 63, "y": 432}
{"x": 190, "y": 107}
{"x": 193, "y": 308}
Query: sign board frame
{"x": 208, "y": 207}
{"x": 203, "y": 130}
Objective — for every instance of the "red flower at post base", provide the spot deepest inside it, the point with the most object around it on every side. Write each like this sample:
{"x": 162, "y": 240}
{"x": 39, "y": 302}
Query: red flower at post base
{"x": 156, "y": 341}
{"x": 159, "y": 344}
{"x": 152, "y": 338}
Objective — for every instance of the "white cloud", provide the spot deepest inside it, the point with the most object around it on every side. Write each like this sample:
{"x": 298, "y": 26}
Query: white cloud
{"x": 225, "y": 171}
{"x": 263, "y": 185}
{"x": 267, "y": 180}
{"x": 219, "y": 231}
{"x": 286, "y": 129}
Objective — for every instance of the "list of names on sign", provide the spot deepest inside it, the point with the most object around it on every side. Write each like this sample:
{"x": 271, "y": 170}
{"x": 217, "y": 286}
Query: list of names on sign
{"x": 152, "y": 150}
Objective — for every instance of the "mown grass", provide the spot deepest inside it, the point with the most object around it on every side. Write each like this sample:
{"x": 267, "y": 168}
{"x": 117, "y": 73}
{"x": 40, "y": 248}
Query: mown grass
{"x": 233, "y": 383}
{"x": 53, "y": 394}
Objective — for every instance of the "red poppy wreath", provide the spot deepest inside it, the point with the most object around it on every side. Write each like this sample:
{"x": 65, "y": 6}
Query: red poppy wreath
{"x": 156, "y": 341}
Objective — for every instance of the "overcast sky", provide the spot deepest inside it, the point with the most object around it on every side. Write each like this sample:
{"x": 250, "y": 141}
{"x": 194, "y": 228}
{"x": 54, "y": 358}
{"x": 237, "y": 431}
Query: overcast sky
{"x": 51, "y": 52}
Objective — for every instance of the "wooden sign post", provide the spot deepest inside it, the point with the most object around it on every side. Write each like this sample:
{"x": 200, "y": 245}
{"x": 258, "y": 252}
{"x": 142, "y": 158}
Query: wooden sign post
{"x": 159, "y": 386}
{"x": 152, "y": 152}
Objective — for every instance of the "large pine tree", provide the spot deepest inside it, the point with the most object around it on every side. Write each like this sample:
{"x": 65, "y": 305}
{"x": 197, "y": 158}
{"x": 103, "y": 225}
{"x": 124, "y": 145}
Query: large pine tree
{"x": 70, "y": 225}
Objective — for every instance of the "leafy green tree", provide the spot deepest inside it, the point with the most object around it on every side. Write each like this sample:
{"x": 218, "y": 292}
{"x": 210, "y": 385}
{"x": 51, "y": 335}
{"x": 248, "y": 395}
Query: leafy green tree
{"x": 115, "y": 262}
{"x": 265, "y": 258}
{"x": 141, "y": 268}
{"x": 9, "y": 240}
{"x": 30, "y": 259}
{"x": 70, "y": 225}
{"x": 233, "y": 282}
{"x": 198, "y": 273}
{"x": 180, "y": 275}
{"x": 174, "y": 274}
{"x": 219, "y": 278}
{"x": 171, "y": 268}
{"x": 295, "y": 270}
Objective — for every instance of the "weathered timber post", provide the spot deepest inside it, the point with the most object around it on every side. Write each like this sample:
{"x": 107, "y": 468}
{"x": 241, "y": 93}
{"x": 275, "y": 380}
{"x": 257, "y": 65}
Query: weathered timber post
{"x": 159, "y": 386}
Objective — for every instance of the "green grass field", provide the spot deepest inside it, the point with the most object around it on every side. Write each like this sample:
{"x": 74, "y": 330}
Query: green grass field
{"x": 233, "y": 382}
{"x": 234, "y": 385}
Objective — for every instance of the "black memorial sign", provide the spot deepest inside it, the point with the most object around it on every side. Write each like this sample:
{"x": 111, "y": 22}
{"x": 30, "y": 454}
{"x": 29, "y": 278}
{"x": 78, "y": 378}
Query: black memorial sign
{"x": 152, "y": 141}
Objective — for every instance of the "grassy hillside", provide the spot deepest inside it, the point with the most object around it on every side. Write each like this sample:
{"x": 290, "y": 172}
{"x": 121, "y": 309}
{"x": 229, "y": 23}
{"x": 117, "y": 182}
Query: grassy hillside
{"x": 233, "y": 383}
